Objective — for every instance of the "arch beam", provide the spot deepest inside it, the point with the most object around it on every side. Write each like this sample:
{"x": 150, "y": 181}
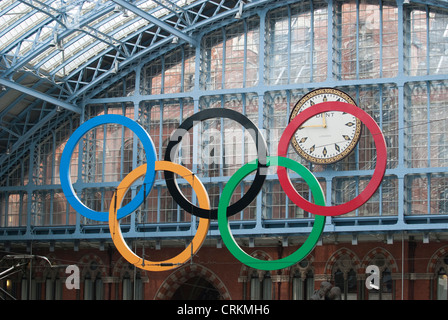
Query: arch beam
{"x": 39, "y": 95}
{"x": 157, "y": 22}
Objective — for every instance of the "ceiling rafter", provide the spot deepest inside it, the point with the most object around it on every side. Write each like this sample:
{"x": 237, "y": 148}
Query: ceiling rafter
{"x": 158, "y": 22}
{"x": 197, "y": 10}
{"x": 180, "y": 12}
{"x": 39, "y": 95}
{"x": 62, "y": 18}
{"x": 44, "y": 45}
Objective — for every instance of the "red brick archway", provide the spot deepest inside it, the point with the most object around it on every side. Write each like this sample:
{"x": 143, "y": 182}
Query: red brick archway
{"x": 390, "y": 260}
{"x": 439, "y": 254}
{"x": 180, "y": 276}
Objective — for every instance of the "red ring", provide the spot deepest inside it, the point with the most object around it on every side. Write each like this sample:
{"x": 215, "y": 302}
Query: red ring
{"x": 378, "y": 173}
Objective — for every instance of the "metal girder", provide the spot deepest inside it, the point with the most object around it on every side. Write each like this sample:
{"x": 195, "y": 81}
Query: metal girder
{"x": 40, "y": 95}
{"x": 40, "y": 47}
{"x": 174, "y": 8}
{"x": 109, "y": 40}
{"x": 438, "y": 3}
{"x": 157, "y": 22}
{"x": 62, "y": 19}
{"x": 21, "y": 147}
{"x": 26, "y": 137}
{"x": 199, "y": 21}
{"x": 44, "y": 8}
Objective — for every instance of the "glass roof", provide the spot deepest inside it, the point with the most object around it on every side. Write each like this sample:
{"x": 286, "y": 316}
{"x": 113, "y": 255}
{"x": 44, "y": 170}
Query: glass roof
{"x": 77, "y": 29}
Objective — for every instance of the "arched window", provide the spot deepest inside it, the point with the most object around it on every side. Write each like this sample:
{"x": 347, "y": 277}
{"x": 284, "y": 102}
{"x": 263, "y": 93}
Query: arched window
{"x": 345, "y": 277}
{"x": 441, "y": 279}
{"x": 260, "y": 286}
{"x": 132, "y": 286}
{"x": 385, "y": 292}
{"x": 53, "y": 288}
{"x": 442, "y": 285}
{"x": 302, "y": 285}
{"x": 93, "y": 284}
{"x": 53, "y": 284}
{"x": 302, "y": 281}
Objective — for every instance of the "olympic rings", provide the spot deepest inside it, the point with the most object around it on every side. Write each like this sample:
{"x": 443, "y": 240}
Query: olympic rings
{"x": 260, "y": 176}
{"x": 378, "y": 173}
{"x": 64, "y": 170}
{"x": 114, "y": 225}
{"x": 203, "y": 210}
{"x": 224, "y": 227}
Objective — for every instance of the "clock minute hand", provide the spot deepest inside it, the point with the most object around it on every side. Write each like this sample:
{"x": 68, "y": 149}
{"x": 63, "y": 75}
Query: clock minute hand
{"x": 313, "y": 126}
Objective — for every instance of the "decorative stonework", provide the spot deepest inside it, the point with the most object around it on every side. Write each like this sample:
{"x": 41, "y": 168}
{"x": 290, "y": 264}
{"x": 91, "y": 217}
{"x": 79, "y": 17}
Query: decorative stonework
{"x": 436, "y": 261}
{"x": 381, "y": 258}
{"x": 86, "y": 266}
{"x": 183, "y": 274}
{"x": 345, "y": 258}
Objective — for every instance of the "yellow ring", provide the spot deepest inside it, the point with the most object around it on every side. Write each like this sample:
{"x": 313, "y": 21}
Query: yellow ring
{"x": 198, "y": 239}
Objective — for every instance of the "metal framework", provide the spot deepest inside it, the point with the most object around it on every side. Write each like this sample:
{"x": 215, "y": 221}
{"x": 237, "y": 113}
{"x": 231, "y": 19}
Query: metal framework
{"x": 130, "y": 50}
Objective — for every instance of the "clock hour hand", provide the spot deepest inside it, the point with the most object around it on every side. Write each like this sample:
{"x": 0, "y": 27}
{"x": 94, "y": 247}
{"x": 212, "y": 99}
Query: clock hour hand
{"x": 313, "y": 126}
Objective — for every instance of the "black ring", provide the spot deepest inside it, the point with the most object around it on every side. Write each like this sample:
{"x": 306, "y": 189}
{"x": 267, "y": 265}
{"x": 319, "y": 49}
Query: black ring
{"x": 260, "y": 176}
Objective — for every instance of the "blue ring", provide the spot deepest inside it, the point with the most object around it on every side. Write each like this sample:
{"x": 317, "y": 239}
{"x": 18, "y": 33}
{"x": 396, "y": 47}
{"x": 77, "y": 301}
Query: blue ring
{"x": 64, "y": 171}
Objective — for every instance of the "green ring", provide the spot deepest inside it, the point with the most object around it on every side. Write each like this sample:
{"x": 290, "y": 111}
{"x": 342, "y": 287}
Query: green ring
{"x": 223, "y": 223}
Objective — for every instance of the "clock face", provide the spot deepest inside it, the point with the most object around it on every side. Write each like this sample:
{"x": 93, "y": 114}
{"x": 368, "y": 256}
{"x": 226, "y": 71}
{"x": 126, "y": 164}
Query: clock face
{"x": 327, "y": 137}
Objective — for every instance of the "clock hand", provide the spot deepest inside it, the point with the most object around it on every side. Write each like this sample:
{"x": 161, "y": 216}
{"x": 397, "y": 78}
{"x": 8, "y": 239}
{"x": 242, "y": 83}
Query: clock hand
{"x": 324, "y": 125}
{"x": 324, "y": 117}
{"x": 313, "y": 126}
